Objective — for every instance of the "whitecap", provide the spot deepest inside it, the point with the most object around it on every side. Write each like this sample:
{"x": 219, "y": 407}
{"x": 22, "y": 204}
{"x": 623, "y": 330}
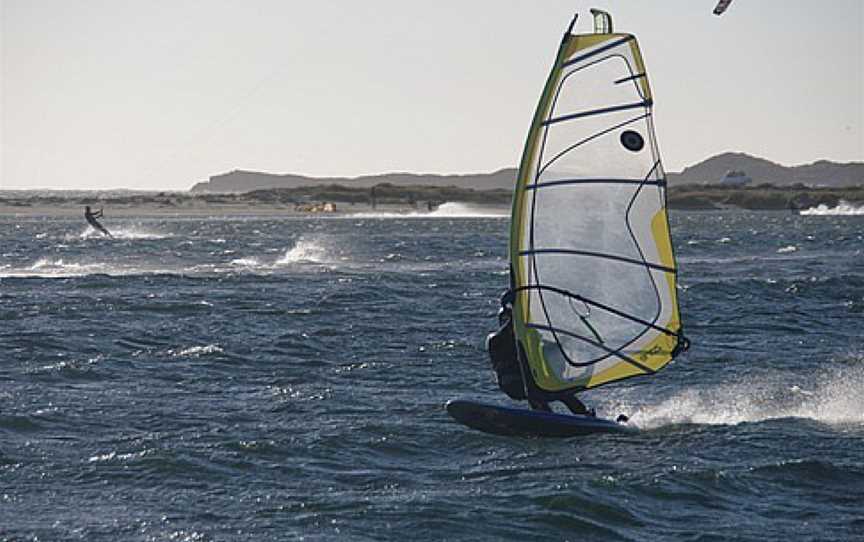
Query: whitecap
{"x": 832, "y": 397}
{"x": 197, "y": 351}
{"x": 843, "y": 208}
{"x": 304, "y": 251}
{"x": 246, "y": 262}
{"x": 112, "y": 456}
{"x": 128, "y": 233}
{"x": 449, "y": 209}
{"x": 48, "y": 267}
{"x": 455, "y": 209}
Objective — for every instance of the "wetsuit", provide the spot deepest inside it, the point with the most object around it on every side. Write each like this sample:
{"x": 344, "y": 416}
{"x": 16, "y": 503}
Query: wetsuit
{"x": 503, "y": 352}
{"x": 91, "y": 217}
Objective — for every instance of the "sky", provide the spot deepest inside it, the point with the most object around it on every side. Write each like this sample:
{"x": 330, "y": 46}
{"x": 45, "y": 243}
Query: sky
{"x": 161, "y": 94}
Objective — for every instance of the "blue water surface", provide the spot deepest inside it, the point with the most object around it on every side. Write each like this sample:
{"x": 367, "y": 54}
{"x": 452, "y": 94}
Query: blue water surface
{"x": 280, "y": 378}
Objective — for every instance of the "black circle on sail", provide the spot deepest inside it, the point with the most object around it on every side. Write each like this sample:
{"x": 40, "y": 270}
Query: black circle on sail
{"x": 632, "y": 141}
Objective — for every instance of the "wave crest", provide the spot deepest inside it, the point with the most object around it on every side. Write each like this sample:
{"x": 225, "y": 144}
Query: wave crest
{"x": 129, "y": 233}
{"x": 833, "y": 397}
{"x": 48, "y": 267}
{"x": 304, "y": 251}
{"x": 450, "y": 209}
{"x": 844, "y": 208}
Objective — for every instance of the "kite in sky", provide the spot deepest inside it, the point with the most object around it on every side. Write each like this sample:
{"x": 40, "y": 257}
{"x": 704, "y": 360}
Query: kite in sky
{"x": 721, "y": 6}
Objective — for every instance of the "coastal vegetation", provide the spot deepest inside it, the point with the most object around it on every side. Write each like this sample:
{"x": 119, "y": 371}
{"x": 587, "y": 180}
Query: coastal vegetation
{"x": 688, "y": 196}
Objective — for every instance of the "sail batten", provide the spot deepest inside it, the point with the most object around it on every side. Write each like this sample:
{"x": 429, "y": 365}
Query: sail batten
{"x": 574, "y": 252}
{"x": 592, "y": 303}
{"x": 630, "y": 78}
{"x": 560, "y": 182}
{"x": 598, "y": 344}
{"x": 589, "y": 139}
{"x": 593, "y": 266}
{"x": 601, "y": 111}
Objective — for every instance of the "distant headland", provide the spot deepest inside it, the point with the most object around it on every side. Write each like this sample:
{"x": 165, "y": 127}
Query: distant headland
{"x": 726, "y": 181}
{"x": 712, "y": 171}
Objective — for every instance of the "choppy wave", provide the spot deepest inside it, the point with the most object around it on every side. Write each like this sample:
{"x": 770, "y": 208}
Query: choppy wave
{"x": 62, "y": 267}
{"x": 311, "y": 251}
{"x": 196, "y": 351}
{"x": 131, "y": 233}
{"x": 453, "y": 209}
{"x": 57, "y": 267}
{"x": 842, "y": 209}
{"x": 246, "y": 262}
{"x": 304, "y": 251}
{"x": 445, "y": 210}
{"x": 225, "y": 369}
{"x": 51, "y": 267}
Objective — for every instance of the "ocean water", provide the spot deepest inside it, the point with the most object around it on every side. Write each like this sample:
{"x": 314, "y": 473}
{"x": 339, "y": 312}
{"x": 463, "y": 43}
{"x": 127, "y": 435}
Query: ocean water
{"x": 274, "y": 378}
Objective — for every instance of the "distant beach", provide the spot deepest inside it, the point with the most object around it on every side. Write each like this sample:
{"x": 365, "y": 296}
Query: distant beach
{"x": 186, "y": 209}
{"x": 27, "y": 204}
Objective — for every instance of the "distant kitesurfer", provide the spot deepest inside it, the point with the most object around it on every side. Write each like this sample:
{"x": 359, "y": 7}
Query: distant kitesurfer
{"x": 514, "y": 378}
{"x": 91, "y": 217}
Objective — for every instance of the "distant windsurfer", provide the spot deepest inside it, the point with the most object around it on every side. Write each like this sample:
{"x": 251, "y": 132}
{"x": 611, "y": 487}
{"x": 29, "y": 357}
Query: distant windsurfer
{"x": 513, "y": 378}
{"x": 91, "y": 217}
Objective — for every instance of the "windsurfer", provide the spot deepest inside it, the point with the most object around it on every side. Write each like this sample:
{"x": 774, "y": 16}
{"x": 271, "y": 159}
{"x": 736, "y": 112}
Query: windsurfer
{"x": 513, "y": 379}
{"x": 91, "y": 217}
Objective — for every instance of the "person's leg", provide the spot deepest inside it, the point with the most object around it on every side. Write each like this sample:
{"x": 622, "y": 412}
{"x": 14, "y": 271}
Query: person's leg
{"x": 576, "y": 406}
{"x": 539, "y": 404}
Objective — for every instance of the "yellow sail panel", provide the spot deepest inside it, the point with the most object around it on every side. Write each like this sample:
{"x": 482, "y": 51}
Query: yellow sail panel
{"x": 590, "y": 250}
{"x": 663, "y": 240}
{"x": 618, "y": 371}
{"x": 640, "y": 68}
{"x": 581, "y": 42}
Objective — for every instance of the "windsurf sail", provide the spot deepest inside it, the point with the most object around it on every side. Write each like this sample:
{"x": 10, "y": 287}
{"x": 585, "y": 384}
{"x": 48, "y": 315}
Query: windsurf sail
{"x": 593, "y": 269}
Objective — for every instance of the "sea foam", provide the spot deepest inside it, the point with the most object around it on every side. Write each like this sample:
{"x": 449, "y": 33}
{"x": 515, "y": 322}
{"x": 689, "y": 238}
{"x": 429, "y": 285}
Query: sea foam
{"x": 445, "y": 210}
{"x": 842, "y": 209}
{"x": 55, "y": 267}
{"x": 832, "y": 397}
{"x": 48, "y": 267}
{"x": 130, "y": 233}
{"x": 304, "y": 251}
